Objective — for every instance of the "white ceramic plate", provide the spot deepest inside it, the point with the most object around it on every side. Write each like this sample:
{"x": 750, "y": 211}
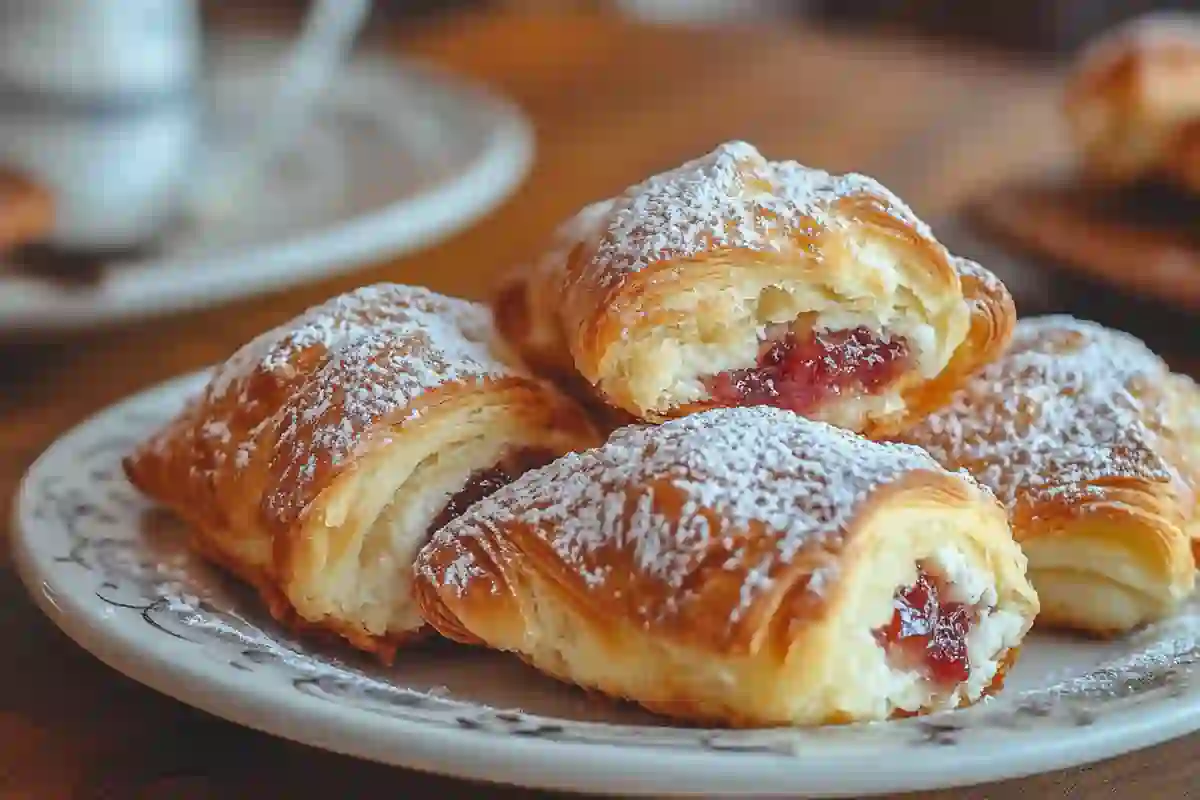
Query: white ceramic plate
{"x": 112, "y": 571}
{"x": 398, "y": 157}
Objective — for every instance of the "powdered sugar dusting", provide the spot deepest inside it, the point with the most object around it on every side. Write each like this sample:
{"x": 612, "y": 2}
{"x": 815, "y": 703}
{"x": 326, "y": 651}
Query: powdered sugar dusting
{"x": 585, "y": 224}
{"x": 730, "y": 198}
{"x": 1154, "y": 654}
{"x": 311, "y": 387}
{"x": 1070, "y": 404}
{"x": 989, "y": 284}
{"x": 728, "y": 470}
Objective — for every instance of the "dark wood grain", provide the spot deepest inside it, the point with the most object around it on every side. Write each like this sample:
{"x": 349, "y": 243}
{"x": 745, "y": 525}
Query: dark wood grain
{"x": 611, "y": 102}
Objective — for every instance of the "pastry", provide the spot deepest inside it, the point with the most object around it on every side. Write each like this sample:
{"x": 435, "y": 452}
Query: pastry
{"x": 744, "y": 567}
{"x": 1091, "y": 443}
{"x": 1133, "y": 102}
{"x": 26, "y": 209}
{"x": 735, "y": 281}
{"x": 321, "y": 454}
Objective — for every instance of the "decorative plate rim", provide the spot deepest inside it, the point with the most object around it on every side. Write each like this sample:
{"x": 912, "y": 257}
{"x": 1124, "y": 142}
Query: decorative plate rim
{"x": 474, "y": 741}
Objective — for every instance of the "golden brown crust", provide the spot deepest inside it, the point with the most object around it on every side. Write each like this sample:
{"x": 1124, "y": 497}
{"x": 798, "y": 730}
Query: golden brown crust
{"x": 993, "y": 318}
{"x": 1133, "y": 102}
{"x": 526, "y": 303}
{"x": 287, "y": 464}
{"x": 688, "y": 268}
{"x": 1183, "y": 440}
{"x": 527, "y": 300}
{"x": 1089, "y": 441}
{"x": 742, "y": 542}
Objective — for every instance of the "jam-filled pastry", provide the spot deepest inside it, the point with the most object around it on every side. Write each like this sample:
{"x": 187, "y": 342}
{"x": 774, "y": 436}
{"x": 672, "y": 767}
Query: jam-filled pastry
{"x": 741, "y": 567}
{"x": 734, "y": 281}
{"x": 1133, "y": 102}
{"x": 321, "y": 455}
{"x": 1090, "y": 442}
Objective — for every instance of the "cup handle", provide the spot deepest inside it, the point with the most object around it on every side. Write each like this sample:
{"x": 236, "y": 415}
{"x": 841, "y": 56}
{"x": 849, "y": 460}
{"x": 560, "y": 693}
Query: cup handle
{"x": 327, "y": 36}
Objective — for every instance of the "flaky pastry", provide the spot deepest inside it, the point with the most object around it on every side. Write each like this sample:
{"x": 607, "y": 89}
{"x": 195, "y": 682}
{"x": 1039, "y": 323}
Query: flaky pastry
{"x": 734, "y": 281}
{"x": 321, "y": 454}
{"x": 741, "y": 567}
{"x": 1091, "y": 443}
{"x": 1133, "y": 102}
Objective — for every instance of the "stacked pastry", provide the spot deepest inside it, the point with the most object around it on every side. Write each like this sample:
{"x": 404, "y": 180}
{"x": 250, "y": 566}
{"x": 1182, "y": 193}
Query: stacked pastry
{"x": 747, "y": 446}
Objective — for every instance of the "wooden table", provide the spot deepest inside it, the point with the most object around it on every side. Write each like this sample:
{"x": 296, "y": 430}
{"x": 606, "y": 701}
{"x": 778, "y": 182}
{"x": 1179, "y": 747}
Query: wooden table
{"x": 612, "y": 102}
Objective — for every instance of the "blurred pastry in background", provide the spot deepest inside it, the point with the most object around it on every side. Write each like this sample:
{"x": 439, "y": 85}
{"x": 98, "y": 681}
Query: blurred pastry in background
{"x": 26, "y": 209}
{"x": 1124, "y": 215}
{"x": 1132, "y": 103}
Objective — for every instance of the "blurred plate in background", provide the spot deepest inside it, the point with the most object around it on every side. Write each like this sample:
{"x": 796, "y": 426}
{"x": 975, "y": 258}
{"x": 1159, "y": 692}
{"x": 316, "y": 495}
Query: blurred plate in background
{"x": 1141, "y": 242}
{"x": 398, "y": 157}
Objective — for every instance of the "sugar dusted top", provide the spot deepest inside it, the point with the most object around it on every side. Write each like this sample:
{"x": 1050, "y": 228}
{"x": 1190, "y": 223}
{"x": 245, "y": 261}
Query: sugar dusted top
{"x": 730, "y": 469}
{"x": 310, "y": 388}
{"x": 730, "y": 198}
{"x": 1070, "y": 404}
{"x": 988, "y": 282}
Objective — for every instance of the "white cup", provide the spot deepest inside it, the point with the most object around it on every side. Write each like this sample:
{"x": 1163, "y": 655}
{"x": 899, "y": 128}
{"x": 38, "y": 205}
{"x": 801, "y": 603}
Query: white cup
{"x": 99, "y": 100}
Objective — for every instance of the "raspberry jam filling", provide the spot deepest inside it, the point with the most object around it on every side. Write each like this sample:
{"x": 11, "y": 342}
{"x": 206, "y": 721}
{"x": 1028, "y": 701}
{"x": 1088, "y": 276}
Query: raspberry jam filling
{"x": 485, "y": 482}
{"x": 929, "y": 633}
{"x": 797, "y": 371}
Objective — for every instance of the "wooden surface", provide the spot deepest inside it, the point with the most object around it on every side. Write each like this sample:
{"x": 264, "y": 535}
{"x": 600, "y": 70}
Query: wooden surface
{"x": 611, "y": 103}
